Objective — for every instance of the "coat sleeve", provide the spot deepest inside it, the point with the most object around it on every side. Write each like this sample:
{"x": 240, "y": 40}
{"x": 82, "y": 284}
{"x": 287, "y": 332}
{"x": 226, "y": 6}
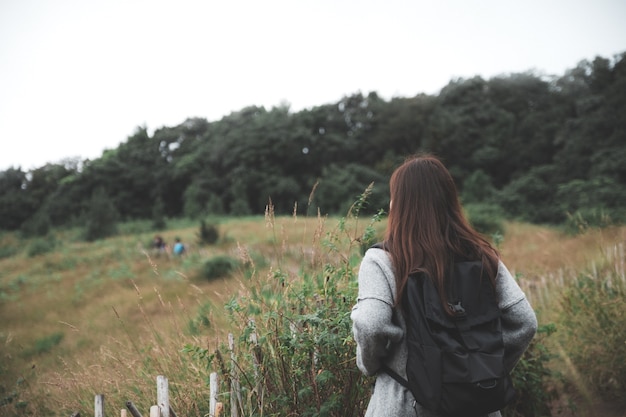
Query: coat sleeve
{"x": 373, "y": 326}
{"x": 519, "y": 322}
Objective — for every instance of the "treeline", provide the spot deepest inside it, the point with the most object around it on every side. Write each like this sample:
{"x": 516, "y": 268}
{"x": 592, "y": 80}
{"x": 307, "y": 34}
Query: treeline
{"x": 536, "y": 148}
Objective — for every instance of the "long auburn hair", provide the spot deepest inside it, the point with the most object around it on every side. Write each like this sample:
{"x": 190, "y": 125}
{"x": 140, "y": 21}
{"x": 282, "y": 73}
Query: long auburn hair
{"x": 427, "y": 229}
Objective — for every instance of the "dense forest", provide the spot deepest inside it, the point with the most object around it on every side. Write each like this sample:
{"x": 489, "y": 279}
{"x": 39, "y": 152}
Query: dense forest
{"x": 531, "y": 147}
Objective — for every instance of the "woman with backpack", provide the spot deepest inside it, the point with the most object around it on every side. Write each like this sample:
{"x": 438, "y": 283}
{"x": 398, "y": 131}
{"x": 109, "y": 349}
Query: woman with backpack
{"x": 427, "y": 236}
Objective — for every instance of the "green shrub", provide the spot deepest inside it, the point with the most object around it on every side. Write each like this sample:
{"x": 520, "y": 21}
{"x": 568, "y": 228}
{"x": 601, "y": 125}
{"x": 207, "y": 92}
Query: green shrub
{"x": 593, "y": 329}
{"x": 202, "y": 319}
{"x": 208, "y": 234}
{"x": 584, "y": 219}
{"x": 219, "y": 267}
{"x": 37, "y": 225}
{"x": 101, "y": 218}
{"x": 525, "y": 197}
{"x": 7, "y": 251}
{"x": 530, "y": 378}
{"x": 44, "y": 344}
{"x": 135, "y": 227}
{"x": 598, "y": 201}
{"x": 477, "y": 187}
{"x": 485, "y": 218}
{"x": 369, "y": 235}
{"x": 158, "y": 215}
{"x": 41, "y": 246}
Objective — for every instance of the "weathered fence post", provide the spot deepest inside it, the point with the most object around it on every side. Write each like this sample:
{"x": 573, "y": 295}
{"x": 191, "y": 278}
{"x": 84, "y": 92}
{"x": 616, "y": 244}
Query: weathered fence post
{"x": 163, "y": 400}
{"x": 213, "y": 389}
{"x": 154, "y": 411}
{"x": 256, "y": 358}
{"x": 235, "y": 391}
{"x": 99, "y": 405}
{"x": 123, "y": 413}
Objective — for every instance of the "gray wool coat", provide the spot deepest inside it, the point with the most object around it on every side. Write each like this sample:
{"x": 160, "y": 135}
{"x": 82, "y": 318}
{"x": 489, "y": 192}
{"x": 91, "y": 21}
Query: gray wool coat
{"x": 379, "y": 330}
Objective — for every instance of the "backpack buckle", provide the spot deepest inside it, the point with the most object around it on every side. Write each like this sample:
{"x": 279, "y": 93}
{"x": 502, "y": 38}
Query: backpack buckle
{"x": 458, "y": 310}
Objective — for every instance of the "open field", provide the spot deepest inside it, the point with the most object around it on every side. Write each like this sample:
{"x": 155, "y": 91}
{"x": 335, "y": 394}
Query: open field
{"x": 102, "y": 305}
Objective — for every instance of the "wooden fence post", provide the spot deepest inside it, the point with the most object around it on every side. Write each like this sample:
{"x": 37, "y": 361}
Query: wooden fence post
{"x": 99, "y": 405}
{"x": 256, "y": 358}
{"x": 154, "y": 411}
{"x": 163, "y": 400}
{"x": 235, "y": 390}
{"x": 213, "y": 389}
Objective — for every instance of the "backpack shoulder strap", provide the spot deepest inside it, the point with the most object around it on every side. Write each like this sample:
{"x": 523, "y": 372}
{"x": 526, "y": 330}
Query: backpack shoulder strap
{"x": 395, "y": 376}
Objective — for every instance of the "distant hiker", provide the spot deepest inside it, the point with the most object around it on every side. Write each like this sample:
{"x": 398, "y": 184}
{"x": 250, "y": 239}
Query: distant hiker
{"x": 427, "y": 236}
{"x": 179, "y": 247}
{"x": 158, "y": 244}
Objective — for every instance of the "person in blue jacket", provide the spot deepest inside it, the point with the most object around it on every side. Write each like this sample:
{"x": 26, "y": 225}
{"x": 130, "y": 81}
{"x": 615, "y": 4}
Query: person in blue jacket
{"x": 179, "y": 247}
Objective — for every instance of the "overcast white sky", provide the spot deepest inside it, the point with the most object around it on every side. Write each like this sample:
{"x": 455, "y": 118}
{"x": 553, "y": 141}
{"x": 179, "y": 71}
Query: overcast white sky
{"x": 78, "y": 76}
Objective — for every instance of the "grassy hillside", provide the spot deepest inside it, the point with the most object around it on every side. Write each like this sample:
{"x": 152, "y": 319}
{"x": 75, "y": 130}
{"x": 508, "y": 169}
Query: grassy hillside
{"x": 78, "y": 319}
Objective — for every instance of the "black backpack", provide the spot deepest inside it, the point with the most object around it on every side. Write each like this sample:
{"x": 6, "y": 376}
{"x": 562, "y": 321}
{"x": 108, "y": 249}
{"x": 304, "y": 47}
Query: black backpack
{"x": 455, "y": 366}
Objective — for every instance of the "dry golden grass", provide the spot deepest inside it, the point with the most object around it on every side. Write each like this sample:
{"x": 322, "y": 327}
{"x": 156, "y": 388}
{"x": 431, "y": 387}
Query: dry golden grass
{"x": 113, "y": 298}
{"x": 116, "y": 304}
{"x": 536, "y": 250}
{"x": 545, "y": 259}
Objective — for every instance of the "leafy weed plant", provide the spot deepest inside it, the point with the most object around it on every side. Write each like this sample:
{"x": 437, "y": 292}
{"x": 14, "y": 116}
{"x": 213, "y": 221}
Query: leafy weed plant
{"x": 294, "y": 353}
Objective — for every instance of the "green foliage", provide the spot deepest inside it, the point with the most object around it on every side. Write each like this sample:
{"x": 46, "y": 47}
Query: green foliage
{"x": 44, "y": 344}
{"x": 531, "y": 377}
{"x": 192, "y": 208}
{"x": 593, "y": 331}
{"x": 135, "y": 227}
{"x": 295, "y": 351}
{"x": 592, "y": 203}
{"x": 524, "y": 197}
{"x": 38, "y": 225}
{"x": 202, "y": 319}
{"x": 477, "y": 188}
{"x": 199, "y": 201}
{"x": 240, "y": 207}
{"x": 42, "y": 245}
{"x": 14, "y": 397}
{"x": 158, "y": 215}
{"x": 219, "y": 267}
{"x": 208, "y": 234}
{"x": 214, "y": 205}
{"x": 582, "y": 220}
{"x": 7, "y": 250}
{"x": 340, "y": 186}
{"x": 101, "y": 217}
{"x": 514, "y": 140}
{"x": 369, "y": 235}
{"x": 16, "y": 204}
{"x": 485, "y": 218}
